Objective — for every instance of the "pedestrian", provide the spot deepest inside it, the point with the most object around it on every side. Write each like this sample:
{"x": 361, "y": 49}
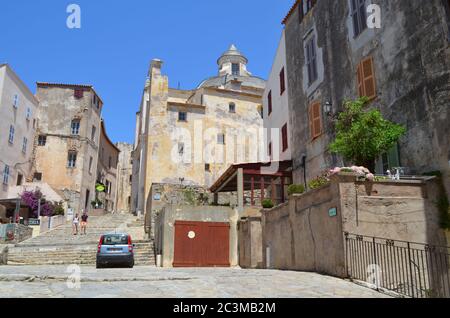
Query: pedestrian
{"x": 84, "y": 219}
{"x": 75, "y": 222}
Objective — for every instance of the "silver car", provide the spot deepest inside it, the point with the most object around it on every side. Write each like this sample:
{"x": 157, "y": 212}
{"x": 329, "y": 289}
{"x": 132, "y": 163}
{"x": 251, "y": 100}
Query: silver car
{"x": 115, "y": 249}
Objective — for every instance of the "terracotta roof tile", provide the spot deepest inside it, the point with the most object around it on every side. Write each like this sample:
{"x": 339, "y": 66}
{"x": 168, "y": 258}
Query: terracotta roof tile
{"x": 294, "y": 6}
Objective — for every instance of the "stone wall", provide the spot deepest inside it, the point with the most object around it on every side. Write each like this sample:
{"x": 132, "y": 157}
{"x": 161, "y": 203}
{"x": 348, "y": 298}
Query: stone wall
{"x": 165, "y": 227}
{"x": 14, "y": 233}
{"x": 250, "y": 243}
{"x": 305, "y": 235}
{"x": 125, "y": 170}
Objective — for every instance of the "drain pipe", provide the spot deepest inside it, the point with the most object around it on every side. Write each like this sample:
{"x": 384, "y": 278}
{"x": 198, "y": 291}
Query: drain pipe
{"x": 304, "y": 170}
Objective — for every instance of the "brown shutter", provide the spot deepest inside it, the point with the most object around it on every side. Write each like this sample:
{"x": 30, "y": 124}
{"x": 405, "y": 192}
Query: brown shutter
{"x": 366, "y": 79}
{"x": 360, "y": 85}
{"x": 315, "y": 122}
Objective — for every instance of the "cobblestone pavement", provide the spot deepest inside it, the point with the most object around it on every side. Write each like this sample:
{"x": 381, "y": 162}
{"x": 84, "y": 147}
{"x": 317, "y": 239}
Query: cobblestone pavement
{"x": 151, "y": 282}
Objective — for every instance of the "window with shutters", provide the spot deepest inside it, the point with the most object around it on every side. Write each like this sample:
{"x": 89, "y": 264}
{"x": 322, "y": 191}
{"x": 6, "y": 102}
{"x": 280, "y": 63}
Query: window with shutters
{"x": 11, "y": 134}
{"x": 24, "y": 145}
{"x": 269, "y": 102}
{"x": 282, "y": 82}
{"x": 366, "y": 79}
{"x": 284, "y": 137}
{"x": 6, "y": 175}
{"x": 315, "y": 122}
{"x": 72, "y": 159}
{"x": 311, "y": 60}
{"x": 358, "y": 13}
{"x": 232, "y": 107}
{"x": 75, "y": 127}
{"x": 16, "y": 101}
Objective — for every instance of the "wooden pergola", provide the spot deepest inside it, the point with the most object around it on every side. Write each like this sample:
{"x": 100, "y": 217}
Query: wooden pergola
{"x": 259, "y": 179}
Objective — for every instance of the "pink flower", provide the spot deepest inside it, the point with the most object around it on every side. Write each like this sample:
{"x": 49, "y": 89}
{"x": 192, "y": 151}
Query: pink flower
{"x": 370, "y": 177}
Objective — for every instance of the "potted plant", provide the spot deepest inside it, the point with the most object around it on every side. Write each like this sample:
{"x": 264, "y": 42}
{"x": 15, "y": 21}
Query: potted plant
{"x": 268, "y": 204}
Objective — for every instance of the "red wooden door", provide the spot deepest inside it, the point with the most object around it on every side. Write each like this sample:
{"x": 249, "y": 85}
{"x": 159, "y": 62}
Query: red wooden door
{"x": 201, "y": 244}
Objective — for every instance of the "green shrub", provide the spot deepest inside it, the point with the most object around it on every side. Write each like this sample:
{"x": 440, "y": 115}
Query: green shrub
{"x": 296, "y": 189}
{"x": 318, "y": 182}
{"x": 267, "y": 204}
{"x": 58, "y": 209}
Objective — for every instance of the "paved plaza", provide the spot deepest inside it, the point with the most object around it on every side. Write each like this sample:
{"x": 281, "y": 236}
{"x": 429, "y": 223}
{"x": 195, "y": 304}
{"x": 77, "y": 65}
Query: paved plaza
{"x": 152, "y": 282}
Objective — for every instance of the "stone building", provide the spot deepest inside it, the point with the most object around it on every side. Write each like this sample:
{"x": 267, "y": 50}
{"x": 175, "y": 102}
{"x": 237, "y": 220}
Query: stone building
{"x": 68, "y": 142}
{"x": 107, "y": 171}
{"x": 124, "y": 180}
{"x": 276, "y": 110}
{"x": 18, "y": 109}
{"x": 191, "y": 137}
{"x": 335, "y": 50}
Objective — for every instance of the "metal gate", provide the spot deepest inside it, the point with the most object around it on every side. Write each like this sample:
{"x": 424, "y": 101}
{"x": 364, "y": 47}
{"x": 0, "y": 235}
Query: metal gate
{"x": 201, "y": 244}
{"x": 411, "y": 269}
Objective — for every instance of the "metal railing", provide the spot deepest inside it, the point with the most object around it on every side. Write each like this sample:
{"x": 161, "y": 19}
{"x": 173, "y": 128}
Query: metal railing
{"x": 410, "y": 269}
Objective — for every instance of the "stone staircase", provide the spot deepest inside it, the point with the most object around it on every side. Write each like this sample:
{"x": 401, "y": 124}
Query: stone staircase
{"x": 61, "y": 247}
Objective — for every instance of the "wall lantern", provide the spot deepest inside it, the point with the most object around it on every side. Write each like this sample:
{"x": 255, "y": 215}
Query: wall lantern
{"x": 328, "y": 108}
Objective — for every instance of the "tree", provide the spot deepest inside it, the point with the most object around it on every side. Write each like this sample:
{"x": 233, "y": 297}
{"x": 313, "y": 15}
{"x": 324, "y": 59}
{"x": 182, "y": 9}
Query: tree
{"x": 362, "y": 136}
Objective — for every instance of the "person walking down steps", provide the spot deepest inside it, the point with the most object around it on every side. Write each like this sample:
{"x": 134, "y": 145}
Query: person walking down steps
{"x": 75, "y": 222}
{"x": 84, "y": 219}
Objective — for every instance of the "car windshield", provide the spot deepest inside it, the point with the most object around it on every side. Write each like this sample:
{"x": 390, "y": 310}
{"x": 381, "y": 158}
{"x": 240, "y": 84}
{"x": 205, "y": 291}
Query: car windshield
{"x": 115, "y": 239}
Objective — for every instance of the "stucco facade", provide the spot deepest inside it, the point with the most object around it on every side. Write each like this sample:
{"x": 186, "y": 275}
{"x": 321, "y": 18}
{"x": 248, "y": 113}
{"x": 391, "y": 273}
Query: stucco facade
{"x": 177, "y": 135}
{"x": 410, "y": 73}
{"x": 276, "y": 109}
{"x": 74, "y": 177}
{"x": 124, "y": 172}
{"x": 18, "y": 109}
{"x": 107, "y": 171}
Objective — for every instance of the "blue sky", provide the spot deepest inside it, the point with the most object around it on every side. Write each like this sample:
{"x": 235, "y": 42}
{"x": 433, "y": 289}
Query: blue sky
{"x": 117, "y": 40}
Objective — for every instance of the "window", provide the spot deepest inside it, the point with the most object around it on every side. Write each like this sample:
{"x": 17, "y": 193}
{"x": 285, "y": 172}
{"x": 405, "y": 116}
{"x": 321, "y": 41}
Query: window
{"x": 207, "y": 167}
{"x": 236, "y": 69}
{"x": 88, "y": 194}
{"x": 310, "y": 4}
{"x": 75, "y": 127}
{"x": 19, "y": 179}
{"x": 232, "y": 107}
{"x": 42, "y": 140}
{"x": 37, "y": 176}
{"x": 181, "y": 149}
{"x": 78, "y": 93}
{"x": 24, "y": 145}
{"x": 269, "y": 102}
{"x": 11, "y": 134}
{"x": 131, "y": 178}
{"x": 72, "y": 159}
{"x": 284, "y": 137}
{"x": 315, "y": 122}
{"x": 182, "y": 116}
{"x": 94, "y": 130}
{"x": 282, "y": 82}
{"x": 358, "y": 8}
{"x": 6, "y": 175}
{"x": 221, "y": 139}
{"x": 91, "y": 160}
{"x": 270, "y": 150}
{"x": 388, "y": 160}
{"x": 28, "y": 113}
{"x": 16, "y": 101}
{"x": 366, "y": 79}
{"x": 311, "y": 60}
